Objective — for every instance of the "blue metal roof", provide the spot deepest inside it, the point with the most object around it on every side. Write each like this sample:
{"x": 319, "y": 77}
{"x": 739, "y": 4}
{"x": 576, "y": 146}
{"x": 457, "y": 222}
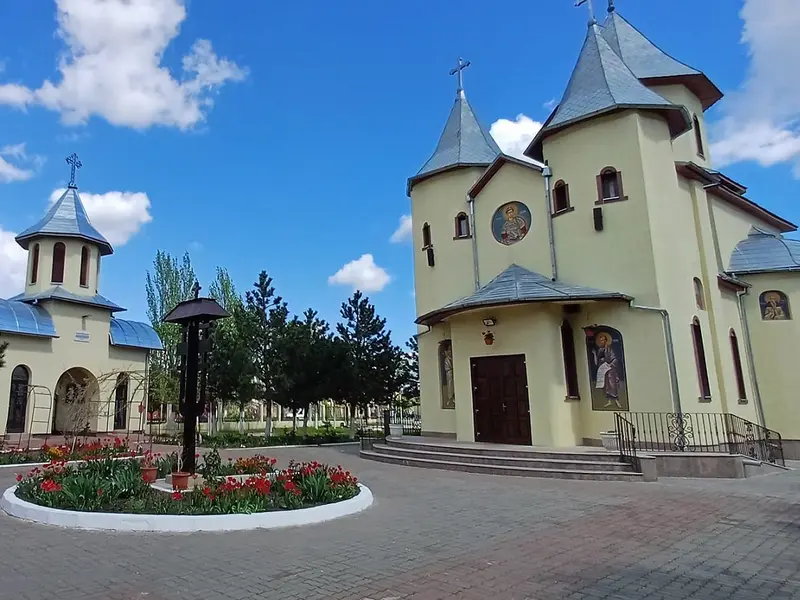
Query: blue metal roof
{"x": 518, "y": 285}
{"x": 24, "y": 319}
{"x": 59, "y": 293}
{"x": 764, "y": 252}
{"x": 134, "y": 334}
{"x": 602, "y": 83}
{"x": 648, "y": 61}
{"x": 463, "y": 143}
{"x": 66, "y": 218}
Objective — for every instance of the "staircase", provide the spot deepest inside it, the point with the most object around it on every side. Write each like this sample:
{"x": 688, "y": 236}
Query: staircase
{"x": 520, "y": 461}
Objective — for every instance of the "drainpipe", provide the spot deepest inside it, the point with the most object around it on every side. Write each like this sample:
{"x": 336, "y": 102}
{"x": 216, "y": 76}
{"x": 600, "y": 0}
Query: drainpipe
{"x": 673, "y": 371}
{"x": 751, "y": 365}
{"x": 547, "y": 173}
{"x": 473, "y": 230}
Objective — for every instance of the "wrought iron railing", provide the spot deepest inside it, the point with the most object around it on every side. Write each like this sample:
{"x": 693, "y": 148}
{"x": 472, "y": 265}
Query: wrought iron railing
{"x": 412, "y": 424}
{"x": 626, "y": 442}
{"x": 705, "y": 432}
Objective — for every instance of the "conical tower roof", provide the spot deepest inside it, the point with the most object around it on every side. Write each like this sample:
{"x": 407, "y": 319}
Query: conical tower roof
{"x": 651, "y": 64}
{"x": 66, "y": 218}
{"x": 601, "y": 83}
{"x": 463, "y": 143}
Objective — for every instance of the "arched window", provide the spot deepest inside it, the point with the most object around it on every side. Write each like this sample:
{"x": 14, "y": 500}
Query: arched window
{"x": 570, "y": 364}
{"x": 699, "y": 297}
{"x": 609, "y": 185}
{"x": 18, "y": 399}
{"x": 85, "y": 267}
{"x": 427, "y": 246}
{"x": 774, "y": 306}
{"x": 59, "y": 256}
{"x": 700, "y": 360}
{"x": 462, "y": 226}
{"x": 35, "y": 263}
{"x": 446, "y": 374}
{"x": 737, "y": 366}
{"x": 698, "y": 137}
{"x": 121, "y": 402}
{"x": 560, "y": 197}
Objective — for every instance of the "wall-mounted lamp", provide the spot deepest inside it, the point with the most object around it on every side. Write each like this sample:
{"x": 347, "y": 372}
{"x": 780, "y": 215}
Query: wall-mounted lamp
{"x": 490, "y": 322}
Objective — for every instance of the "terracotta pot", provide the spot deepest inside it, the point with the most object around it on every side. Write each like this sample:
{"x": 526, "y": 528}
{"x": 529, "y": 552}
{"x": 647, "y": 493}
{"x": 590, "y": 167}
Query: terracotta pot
{"x": 149, "y": 474}
{"x": 180, "y": 481}
{"x": 488, "y": 340}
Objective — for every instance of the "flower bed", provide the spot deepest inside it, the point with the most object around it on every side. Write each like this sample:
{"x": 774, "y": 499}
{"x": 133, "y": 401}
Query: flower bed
{"x": 234, "y": 439}
{"x": 116, "y": 486}
{"x": 106, "y": 448}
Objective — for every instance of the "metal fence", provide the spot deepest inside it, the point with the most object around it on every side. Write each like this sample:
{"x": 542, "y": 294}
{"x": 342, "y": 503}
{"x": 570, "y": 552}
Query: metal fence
{"x": 626, "y": 442}
{"x": 704, "y": 432}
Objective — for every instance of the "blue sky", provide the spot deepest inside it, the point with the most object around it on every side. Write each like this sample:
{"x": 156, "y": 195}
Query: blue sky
{"x": 279, "y": 136}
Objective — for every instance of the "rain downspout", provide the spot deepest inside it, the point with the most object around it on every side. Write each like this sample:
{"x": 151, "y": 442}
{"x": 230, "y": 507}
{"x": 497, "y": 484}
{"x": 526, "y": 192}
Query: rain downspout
{"x": 547, "y": 173}
{"x": 751, "y": 365}
{"x": 673, "y": 371}
{"x": 473, "y": 230}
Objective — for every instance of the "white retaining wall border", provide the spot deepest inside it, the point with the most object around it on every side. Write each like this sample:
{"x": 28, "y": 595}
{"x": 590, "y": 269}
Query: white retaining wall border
{"x": 16, "y": 507}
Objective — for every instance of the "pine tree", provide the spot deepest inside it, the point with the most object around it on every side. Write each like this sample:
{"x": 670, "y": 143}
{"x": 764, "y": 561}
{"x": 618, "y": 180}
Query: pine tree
{"x": 410, "y": 377}
{"x": 3, "y": 348}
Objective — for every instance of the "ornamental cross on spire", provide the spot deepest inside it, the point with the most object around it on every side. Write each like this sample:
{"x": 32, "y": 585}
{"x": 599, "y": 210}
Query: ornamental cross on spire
{"x": 458, "y": 71}
{"x": 74, "y": 163}
{"x": 611, "y": 7}
{"x": 196, "y": 289}
{"x": 592, "y": 20}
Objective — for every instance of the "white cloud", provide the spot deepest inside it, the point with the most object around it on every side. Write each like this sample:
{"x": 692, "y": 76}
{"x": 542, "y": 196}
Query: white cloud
{"x": 761, "y": 120}
{"x": 111, "y": 67}
{"x": 16, "y": 164}
{"x": 514, "y": 136}
{"x": 362, "y": 274}
{"x": 15, "y": 262}
{"x": 117, "y": 215}
{"x": 403, "y": 231}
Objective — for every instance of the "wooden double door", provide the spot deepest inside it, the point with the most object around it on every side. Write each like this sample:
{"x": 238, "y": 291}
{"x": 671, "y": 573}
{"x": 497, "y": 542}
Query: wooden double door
{"x": 501, "y": 410}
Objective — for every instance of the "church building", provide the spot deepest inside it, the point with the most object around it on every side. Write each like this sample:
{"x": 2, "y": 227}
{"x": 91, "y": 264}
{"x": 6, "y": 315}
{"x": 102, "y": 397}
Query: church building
{"x": 610, "y": 270}
{"x": 71, "y": 365}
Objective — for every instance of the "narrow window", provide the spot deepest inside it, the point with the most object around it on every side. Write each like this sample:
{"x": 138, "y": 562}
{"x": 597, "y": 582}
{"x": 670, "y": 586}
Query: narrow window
{"x": 427, "y": 246}
{"x": 462, "y": 226}
{"x": 560, "y": 197}
{"x": 570, "y": 364}
{"x": 699, "y": 297}
{"x": 35, "y": 264}
{"x": 698, "y": 137}
{"x": 700, "y": 360}
{"x": 121, "y": 402}
{"x": 84, "y": 267}
{"x": 609, "y": 185}
{"x": 18, "y": 400}
{"x": 59, "y": 255}
{"x": 737, "y": 366}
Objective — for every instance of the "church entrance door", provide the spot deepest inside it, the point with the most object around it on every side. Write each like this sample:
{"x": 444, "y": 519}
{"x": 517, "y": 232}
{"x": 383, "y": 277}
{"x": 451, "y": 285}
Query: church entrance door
{"x": 500, "y": 399}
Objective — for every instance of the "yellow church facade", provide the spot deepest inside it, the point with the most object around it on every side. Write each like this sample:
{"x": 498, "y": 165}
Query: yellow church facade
{"x": 610, "y": 270}
{"x": 71, "y": 366}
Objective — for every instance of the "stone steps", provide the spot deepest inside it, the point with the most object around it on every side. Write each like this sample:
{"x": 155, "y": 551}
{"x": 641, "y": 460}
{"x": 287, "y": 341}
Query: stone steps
{"x": 504, "y": 451}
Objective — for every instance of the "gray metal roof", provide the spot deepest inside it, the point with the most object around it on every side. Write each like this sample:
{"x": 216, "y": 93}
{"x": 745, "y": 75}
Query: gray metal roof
{"x": 66, "y": 218}
{"x": 648, "y": 61}
{"x": 59, "y": 293}
{"x": 463, "y": 143}
{"x": 517, "y": 285}
{"x": 23, "y": 319}
{"x": 134, "y": 334}
{"x": 602, "y": 83}
{"x": 763, "y": 252}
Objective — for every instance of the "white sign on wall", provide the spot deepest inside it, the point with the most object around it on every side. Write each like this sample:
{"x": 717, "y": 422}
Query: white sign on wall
{"x": 81, "y": 336}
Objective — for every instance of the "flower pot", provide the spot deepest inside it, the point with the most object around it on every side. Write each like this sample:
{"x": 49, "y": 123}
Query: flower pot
{"x": 488, "y": 340}
{"x": 180, "y": 481}
{"x": 149, "y": 474}
{"x": 609, "y": 439}
{"x": 395, "y": 430}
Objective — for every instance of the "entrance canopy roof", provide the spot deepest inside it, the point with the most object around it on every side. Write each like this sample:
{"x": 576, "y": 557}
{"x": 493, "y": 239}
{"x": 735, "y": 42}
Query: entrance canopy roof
{"x": 517, "y": 285}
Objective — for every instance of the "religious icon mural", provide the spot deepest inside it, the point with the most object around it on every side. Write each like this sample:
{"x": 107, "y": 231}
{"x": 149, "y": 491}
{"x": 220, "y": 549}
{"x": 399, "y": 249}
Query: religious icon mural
{"x": 446, "y": 374}
{"x": 511, "y": 223}
{"x": 606, "y": 368}
{"x": 774, "y": 306}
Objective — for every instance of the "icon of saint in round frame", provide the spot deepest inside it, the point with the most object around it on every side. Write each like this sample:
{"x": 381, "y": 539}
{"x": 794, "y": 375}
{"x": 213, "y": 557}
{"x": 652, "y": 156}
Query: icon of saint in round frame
{"x": 511, "y": 223}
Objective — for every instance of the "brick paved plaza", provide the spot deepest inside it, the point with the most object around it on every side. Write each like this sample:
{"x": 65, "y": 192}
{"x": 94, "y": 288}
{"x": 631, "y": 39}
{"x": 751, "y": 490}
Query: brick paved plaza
{"x": 434, "y": 535}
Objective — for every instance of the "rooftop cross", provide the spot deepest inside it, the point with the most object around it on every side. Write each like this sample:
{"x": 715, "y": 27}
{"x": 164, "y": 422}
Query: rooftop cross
{"x": 458, "y": 70}
{"x": 74, "y": 163}
{"x": 196, "y": 289}
{"x": 611, "y": 7}
{"x": 592, "y": 20}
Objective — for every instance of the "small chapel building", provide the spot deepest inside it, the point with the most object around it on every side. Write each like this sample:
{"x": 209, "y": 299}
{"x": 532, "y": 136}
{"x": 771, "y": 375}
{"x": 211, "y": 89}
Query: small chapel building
{"x": 610, "y": 270}
{"x": 71, "y": 364}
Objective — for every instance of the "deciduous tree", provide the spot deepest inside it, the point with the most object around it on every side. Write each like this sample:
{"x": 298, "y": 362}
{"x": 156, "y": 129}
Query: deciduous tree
{"x": 3, "y": 348}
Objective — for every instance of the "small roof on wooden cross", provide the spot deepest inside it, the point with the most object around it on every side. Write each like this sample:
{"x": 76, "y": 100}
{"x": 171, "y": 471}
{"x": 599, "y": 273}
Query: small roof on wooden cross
{"x": 201, "y": 310}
